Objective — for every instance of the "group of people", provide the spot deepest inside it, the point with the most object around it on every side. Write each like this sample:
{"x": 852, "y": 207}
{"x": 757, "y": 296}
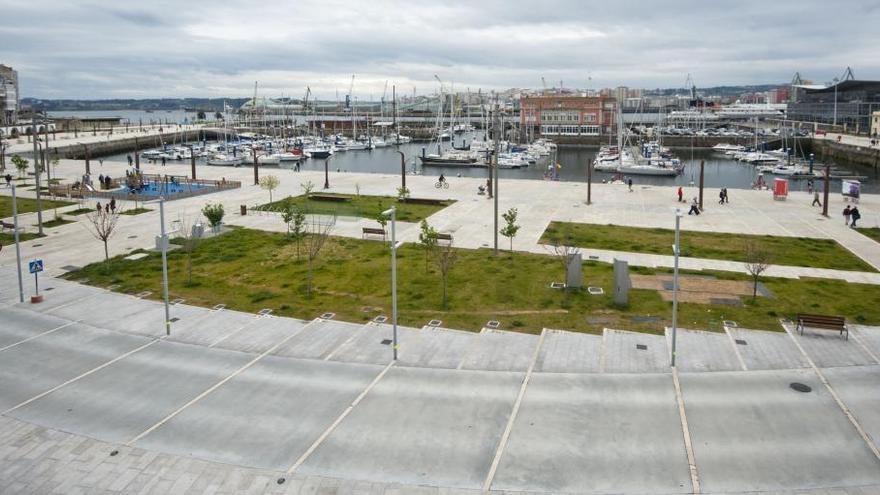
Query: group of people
{"x": 105, "y": 181}
{"x": 108, "y": 207}
{"x": 851, "y": 215}
{"x": 722, "y": 196}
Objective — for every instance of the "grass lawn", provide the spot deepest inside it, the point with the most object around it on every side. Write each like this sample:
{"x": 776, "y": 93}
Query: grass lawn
{"x": 8, "y": 238}
{"x": 135, "y": 211}
{"x": 872, "y": 232}
{"x": 79, "y": 211}
{"x": 794, "y": 251}
{"x": 358, "y": 206}
{"x": 57, "y": 222}
{"x": 249, "y": 270}
{"x": 27, "y": 205}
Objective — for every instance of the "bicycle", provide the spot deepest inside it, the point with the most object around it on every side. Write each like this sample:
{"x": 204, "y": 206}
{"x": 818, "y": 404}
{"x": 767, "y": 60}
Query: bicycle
{"x": 442, "y": 184}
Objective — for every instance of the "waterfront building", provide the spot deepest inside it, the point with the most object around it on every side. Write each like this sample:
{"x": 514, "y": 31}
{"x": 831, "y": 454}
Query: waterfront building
{"x": 875, "y": 123}
{"x": 567, "y": 115}
{"x": 849, "y": 102}
{"x": 10, "y": 100}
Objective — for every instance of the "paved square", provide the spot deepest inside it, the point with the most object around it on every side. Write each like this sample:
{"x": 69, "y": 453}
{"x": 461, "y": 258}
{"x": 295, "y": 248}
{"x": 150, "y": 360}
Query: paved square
{"x": 631, "y": 352}
{"x": 569, "y": 352}
{"x": 260, "y": 335}
{"x": 267, "y": 416}
{"x": 437, "y": 348}
{"x": 367, "y": 347}
{"x": 703, "y": 351}
{"x": 752, "y": 432}
{"x": 208, "y": 327}
{"x": 828, "y": 349}
{"x": 596, "y": 433}
{"x": 859, "y": 388}
{"x": 319, "y": 339}
{"x": 498, "y": 350}
{"x": 20, "y": 324}
{"x": 421, "y": 426}
{"x": 767, "y": 350}
{"x": 122, "y": 400}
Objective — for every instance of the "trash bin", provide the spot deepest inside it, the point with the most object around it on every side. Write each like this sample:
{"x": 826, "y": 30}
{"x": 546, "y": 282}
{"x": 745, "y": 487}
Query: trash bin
{"x": 243, "y": 210}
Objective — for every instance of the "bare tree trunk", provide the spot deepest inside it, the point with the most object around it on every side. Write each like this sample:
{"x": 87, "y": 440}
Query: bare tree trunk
{"x": 755, "y": 288}
{"x": 445, "y": 304}
{"x": 309, "y": 279}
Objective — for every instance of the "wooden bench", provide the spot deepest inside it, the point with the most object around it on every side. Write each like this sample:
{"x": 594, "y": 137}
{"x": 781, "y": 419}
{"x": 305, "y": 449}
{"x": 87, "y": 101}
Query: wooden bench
{"x": 823, "y": 322}
{"x": 373, "y": 231}
{"x": 424, "y": 201}
{"x": 9, "y": 226}
{"x": 328, "y": 197}
{"x": 444, "y": 237}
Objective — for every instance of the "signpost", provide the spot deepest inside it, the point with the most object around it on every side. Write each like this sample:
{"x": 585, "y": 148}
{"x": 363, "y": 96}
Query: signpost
{"x": 36, "y": 266}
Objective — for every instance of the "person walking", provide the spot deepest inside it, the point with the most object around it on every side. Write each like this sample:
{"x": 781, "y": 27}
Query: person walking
{"x": 8, "y": 178}
{"x": 816, "y": 200}
{"x": 846, "y": 213}
{"x": 854, "y": 213}
{"x": 680, "y": 195}
{"x": 726, "y": 197}
{"x": 721, "y": 196}
{"x": 630, "y": 184}
{"x": 695, "y": 207}
{"x": 163, "y": 161}
{"x": 112, "y": 204}
{"x": 129, "y": 160}
{"x": 810, "y": 186}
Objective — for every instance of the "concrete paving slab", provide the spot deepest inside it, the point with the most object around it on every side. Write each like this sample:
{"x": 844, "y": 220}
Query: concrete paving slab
{"x": 632, "y": 352}
{"x": 19, "y": 324}
{"x": 859, "y": 388}
{"x": 421, "y": 426}
{"x": 260, "y": 335}
{"x": 569, "y": 352}
{"x": 437, "y": 348}
{"x": 267, "y": 416}
{"x": 763, "y": 350}
{"x": 497, "y": 350}
{"x": 116, "y": 311}
{"x": 697, "y": 350}
{"x": 372, "y": 344}
{"x": 596, "y": 433}
{"x": 208, "y": 327}
{"x": 122, "y": 400}
{"x": 828, "y": 349}
{"x": 63, "y": 294}
{"x": 752, "y": 432}
{"x": 318, "y": 339}
{"x": 38, "y": 365}
{"x": 869, "y": 336}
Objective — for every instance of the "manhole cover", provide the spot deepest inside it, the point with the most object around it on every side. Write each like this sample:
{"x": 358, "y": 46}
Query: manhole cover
{"x": 132, "y": 237}
{"x": 641, "y": 347}
{"x": 386, "y": 342}
{"x": 264, "y": 312}
{"x": 49, "y": 288}
{"x": 800, "y": 387}
{"x": 557, "y": 285}
{"x": 327, "y": 316}
{"x": 218, "y": 307}
{"x": 435, "y": 323}
{"x": 493, "y": 324}
{"x": 741, "y": 342}
{"x": 595, "y": 291}
{"x": 380, "y": 319}
{"x": 175, "y": 319}
{"x": 37, "y": 245}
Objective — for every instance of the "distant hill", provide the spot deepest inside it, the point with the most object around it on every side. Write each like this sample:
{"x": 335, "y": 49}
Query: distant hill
{"x": 206, "y": 104}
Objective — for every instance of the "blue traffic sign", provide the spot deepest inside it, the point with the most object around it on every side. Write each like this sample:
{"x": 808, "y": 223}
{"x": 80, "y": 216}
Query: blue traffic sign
{"x": 35, "y": 266}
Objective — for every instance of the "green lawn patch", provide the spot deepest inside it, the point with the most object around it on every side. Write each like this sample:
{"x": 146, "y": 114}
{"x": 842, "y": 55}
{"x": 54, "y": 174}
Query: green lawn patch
{"x": 135, "y": 211}
{"x": 793, "y": 251}
{"x": 79, "y": 211}
{"x": 27, "y": 205}
{"x": 249, "y": 270}
{"x": 57, "y": 222}
{"x": 872, "y": 232}
{"x": 8, "y": 238}
{"x": 357, "y": 206}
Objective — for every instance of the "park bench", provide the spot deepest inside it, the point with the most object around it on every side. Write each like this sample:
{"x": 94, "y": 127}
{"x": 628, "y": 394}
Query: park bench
{"x": 823, "y": 322}
{"x": 9, "y": 226}
{"x": 444, "y": 237}
{"x": 424, "y": 201}
{"x": 373, "y": 231}
{"x": 329, "y": 197}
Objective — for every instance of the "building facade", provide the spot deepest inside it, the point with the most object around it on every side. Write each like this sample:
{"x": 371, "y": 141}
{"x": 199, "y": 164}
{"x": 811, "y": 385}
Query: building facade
{"x": 567, "y": 115}
{"x": 875, "y": 124}
{"x": 849, "y": 103}
{"x": 9, "y": 95}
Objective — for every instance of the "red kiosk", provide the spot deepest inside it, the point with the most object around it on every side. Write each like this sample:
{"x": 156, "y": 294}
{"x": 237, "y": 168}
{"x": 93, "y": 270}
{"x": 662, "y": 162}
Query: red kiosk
{"x": 780, "y": 189}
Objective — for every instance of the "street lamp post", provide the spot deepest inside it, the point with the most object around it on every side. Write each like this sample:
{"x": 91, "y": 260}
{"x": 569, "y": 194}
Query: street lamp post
{"x": 164, "y": 241}
{"x": 17, "y": 248}
{"x": 402, "y": 170}
{"x": 327, "y": 172}
{"x": 392, "y": 213}
{"x": 835, "y": 102}
{"x": 676, "y": 250}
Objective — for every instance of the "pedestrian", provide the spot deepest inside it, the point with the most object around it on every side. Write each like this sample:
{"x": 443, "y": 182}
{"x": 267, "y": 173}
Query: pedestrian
{"x": 8, "y": 180}
{"x": 680, "y": 195}
{"x": 695, "y": 207}
{"x": 810, "y": 186}
{"x": 101, "y": 162}
{"x": 129, "y": 160}
{"x": 816, "y": 199}
{"x": 107, "y": 208}
{"x": 112, "y": 204}
{"x": 101, "y": 180}
{"x": 855, "y": 216}
{"x": 163, "y": 161}
{"x": 630, "y": 184}
{"x": 721, "y": 196}
{"x": 99, "y": 207}
{"x": 726, "y": 196}
{"x": 846, "y": 213}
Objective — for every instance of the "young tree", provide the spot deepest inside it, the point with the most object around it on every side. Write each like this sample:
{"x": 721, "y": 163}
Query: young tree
{"x": 402, "y": 193}
{"x": 20, "y": 163}
{"x": 269, "y": 183}
{"x": 102, "y": 225}
{"x": 445, "y": 257}
{"x": 757, "y": 262}
{"x": 307, "y": 188}
{"x": 382, "y": 220}
{"x": 317, "y": 236}
{"x": 563, "y": 254}
{"x": 287, "y": 212}
{"x": 299, "y": 227}
{"x": 510, "y": 228}
{"x": 191, "y": 237}
{"x": 428, "y": 240}
{"x": 214, "y": 213}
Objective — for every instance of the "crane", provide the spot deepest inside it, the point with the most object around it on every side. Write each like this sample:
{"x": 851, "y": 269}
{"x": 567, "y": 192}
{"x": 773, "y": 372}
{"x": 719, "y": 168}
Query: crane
{"x": 348, "y": 97}
{"x": 382, "y": 104}
{"x": 544, "y": 83}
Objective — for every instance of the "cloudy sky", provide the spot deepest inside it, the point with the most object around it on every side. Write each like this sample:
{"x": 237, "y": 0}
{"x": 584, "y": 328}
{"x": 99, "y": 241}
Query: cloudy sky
{"x": 166, "y": 48}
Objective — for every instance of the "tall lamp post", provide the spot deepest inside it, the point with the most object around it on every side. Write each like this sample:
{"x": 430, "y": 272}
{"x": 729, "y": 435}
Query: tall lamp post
{"x": 17, "y": 248}
{"x": 162, "y": 242}
{"x": 676, "y": 249}
{"x": 327, "y": 172}
{"x": 835, "y": 101}
{"x": 402, "y": 169}
{"x": 392, "y": 214}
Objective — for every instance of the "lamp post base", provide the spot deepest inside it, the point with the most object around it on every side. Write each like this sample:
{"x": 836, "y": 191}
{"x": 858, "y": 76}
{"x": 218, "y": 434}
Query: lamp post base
{"x": 36, "y": 299}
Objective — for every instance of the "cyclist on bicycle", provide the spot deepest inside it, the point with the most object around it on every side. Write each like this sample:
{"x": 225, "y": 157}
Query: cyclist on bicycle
{"x": 442, "y": 179}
